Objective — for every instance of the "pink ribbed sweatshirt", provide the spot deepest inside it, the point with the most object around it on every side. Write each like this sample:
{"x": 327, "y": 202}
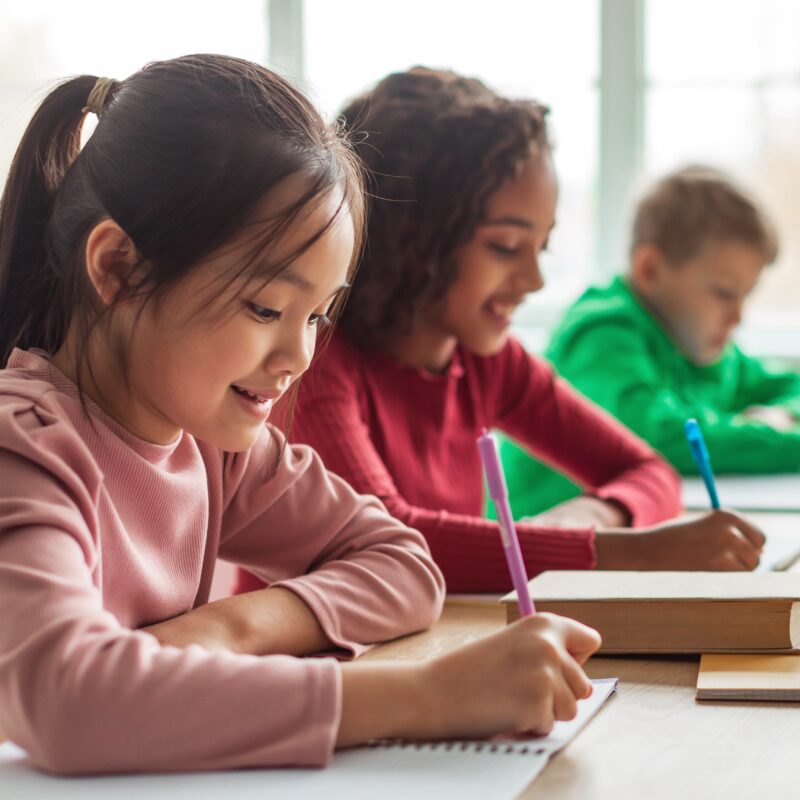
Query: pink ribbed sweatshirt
{"x": 102, "y": 533}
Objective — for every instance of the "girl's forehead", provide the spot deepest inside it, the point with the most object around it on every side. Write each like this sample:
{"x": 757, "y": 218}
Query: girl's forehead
{"x": 532, "y": 190}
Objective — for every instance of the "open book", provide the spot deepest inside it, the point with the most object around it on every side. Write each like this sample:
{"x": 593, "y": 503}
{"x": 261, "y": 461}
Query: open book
{"x": 468, "y": 770}
{"x": 675, "y": 612}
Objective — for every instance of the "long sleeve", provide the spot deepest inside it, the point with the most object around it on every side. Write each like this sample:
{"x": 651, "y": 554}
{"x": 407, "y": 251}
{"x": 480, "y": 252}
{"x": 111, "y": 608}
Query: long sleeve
{"x": 366, "y": 577}
{"x": 760, "y": 384}
{"x": 466, "y": 547}
{"x": 84, "y": 694}
{"x": 641, "y": 398}
{"x": 571, "y": 433}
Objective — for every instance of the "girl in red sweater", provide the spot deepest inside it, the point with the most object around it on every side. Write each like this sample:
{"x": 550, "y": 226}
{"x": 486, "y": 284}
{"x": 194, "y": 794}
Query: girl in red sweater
{"x": 463, "y": 199}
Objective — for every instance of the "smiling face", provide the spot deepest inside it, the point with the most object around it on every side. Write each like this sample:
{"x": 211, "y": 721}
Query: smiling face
{"x": 499, "y": 266}
{"x": 700, "y": 301}
{"x": 213, "y": 362}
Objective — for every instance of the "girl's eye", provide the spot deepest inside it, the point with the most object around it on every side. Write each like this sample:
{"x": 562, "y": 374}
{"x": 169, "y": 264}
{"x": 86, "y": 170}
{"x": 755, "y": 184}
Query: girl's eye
{"x": 319, "y": 320}
{"x": 502, "y": 249}
{"x": 266, "y": 314}
{"x": 724, "y": 295}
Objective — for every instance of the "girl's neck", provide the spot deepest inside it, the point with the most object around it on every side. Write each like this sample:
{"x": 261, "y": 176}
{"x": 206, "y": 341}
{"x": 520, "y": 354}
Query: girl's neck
{"x": 107, "y": 389}
{"x": 424, "y": 348}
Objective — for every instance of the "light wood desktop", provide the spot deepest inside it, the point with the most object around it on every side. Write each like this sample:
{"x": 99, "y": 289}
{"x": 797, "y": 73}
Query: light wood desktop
{"x": 652, "y": 740}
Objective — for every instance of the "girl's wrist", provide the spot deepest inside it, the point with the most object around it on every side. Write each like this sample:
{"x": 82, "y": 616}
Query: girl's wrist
{"x": 385, "y": 700}
{"x": 617, "y": 548}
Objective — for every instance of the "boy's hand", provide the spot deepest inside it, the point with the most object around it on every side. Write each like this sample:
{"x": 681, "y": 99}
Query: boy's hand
{"x": 776, "y": 417}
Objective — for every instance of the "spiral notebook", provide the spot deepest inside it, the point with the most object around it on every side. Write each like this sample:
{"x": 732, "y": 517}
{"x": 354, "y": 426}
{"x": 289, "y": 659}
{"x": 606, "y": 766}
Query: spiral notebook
{"x": 497, "y": 769}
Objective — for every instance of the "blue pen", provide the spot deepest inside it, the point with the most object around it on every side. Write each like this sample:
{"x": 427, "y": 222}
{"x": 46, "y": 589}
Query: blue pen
{"x": 700, "y": 454}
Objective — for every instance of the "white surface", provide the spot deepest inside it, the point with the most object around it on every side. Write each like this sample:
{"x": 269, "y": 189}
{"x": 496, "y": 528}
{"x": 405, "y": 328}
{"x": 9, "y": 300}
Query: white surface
{"x": 781, "y": 550}
{"x": 483, "y": 770}
{"x": 746, "y": 492}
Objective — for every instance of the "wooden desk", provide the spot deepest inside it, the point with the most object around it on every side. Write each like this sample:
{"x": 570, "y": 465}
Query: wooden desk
{"x": 652, "y": 740}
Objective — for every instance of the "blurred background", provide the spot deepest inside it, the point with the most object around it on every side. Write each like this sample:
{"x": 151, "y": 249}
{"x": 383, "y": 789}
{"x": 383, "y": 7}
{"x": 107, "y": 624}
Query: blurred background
{"x": 636, "y": 88}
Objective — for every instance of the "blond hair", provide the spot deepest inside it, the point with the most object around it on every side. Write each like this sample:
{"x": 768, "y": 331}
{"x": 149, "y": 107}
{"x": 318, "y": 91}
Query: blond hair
{"x": 686, "y": 210}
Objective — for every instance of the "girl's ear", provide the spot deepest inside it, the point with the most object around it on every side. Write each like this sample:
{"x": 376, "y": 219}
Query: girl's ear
{"x": 110, "y": 259}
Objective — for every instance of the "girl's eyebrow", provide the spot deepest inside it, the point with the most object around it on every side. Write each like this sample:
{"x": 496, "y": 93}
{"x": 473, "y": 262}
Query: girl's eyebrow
{"x": 287, "y": 276}
{"x": 519, "y": 222}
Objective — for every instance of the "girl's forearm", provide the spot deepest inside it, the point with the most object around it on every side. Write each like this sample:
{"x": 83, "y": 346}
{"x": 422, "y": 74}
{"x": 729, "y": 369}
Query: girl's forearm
{"x": 265, "y": 622}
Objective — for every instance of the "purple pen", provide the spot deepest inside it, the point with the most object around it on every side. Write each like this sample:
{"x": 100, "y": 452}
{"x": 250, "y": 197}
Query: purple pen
{"x": 498, "y": 491}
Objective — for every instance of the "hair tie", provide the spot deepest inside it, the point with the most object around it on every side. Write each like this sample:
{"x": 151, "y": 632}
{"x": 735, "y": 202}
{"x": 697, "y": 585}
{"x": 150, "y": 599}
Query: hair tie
{"x": 98, "y": 96}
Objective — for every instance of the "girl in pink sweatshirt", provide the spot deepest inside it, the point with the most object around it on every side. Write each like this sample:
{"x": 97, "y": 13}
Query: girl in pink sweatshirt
{"x": 160, "y": 289}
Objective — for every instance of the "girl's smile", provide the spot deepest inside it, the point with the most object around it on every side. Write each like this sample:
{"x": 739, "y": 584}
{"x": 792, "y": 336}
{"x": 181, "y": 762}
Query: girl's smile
{"x": 258, "y": 403}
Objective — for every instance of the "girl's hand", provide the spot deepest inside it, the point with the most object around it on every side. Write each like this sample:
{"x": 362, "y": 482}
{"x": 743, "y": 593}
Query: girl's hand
{"x": 583, "y": 512}
{"x": 716, "y": 541}
{"x": 521, "y": 678}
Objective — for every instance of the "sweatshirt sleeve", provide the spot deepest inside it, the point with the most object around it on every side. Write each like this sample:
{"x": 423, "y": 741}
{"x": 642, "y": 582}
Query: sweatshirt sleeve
{"x": 763, "y": 385}
{"x": 366, "y": 576}
{"x": 571, "y": 433}
{"x": 638, "y": 396}
{"x": 83, "y": 694}
{"x": 467, "y": 548}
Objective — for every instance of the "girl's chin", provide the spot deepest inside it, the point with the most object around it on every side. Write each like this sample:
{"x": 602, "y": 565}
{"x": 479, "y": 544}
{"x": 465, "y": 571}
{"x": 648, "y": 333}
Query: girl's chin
{"x": 233, "y": 441}
{"x": 489, "y": 345}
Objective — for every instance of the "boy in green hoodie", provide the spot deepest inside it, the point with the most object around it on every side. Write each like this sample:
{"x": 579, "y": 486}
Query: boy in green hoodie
{"x": 655, "y": 346}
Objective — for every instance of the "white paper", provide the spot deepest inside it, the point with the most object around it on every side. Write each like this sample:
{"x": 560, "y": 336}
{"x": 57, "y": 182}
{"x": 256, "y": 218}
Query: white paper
{"x": 746, "y": 492}
{"x": 469, "y": 771}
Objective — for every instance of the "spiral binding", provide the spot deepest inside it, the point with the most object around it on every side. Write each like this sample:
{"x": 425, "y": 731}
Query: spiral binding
{"x": 511, "y": 748}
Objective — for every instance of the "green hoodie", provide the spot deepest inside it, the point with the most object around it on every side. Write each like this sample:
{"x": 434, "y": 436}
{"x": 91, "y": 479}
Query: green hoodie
{"x": 613, "y": 350}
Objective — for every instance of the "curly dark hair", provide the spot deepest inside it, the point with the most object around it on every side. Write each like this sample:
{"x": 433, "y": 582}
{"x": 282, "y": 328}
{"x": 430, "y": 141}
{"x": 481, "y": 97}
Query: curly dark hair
{"x": 437, "y": 145}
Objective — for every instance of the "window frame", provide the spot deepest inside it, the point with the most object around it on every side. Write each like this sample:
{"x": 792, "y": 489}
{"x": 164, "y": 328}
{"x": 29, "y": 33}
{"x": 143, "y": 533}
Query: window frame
{"x": 622, "y": 95}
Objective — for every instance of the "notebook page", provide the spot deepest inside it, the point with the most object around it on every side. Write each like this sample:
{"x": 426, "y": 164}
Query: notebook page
{"x": 468, "y": 770}
{"x": 781, "y": 550}
{"x": 746, "y": 492}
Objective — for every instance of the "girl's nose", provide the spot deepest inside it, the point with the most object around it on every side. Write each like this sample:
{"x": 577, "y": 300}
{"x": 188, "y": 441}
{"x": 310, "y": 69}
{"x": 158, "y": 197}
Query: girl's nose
{"x": 292, "y": 352}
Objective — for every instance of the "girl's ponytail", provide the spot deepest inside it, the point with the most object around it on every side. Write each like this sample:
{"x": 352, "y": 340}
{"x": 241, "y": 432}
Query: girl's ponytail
{"x": 30, "y": 313}
{"x": 183, "y": 154}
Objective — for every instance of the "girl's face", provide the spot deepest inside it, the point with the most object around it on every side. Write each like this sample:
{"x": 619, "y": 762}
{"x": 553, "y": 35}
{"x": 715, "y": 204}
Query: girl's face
{"x": 499, "y": 266}
{"x": 215, "y": 370}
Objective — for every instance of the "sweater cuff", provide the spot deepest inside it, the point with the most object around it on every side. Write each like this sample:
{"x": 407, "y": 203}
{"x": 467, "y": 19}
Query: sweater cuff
{"x": 643, "y": 508}
{"x": 545, "y": 548}
{"x": 325, "y": 614}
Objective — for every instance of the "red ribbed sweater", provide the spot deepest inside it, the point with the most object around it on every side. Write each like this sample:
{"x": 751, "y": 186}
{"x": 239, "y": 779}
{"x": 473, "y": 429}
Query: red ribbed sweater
{"x": 408, "y": 437}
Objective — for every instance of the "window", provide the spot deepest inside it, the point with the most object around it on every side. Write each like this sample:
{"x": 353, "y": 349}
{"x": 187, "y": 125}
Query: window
{"x": 636, "y": 87}
{"x": 729, "y": 94}
{"x": 537, "y": 48}
{"x": 42, "y": 41}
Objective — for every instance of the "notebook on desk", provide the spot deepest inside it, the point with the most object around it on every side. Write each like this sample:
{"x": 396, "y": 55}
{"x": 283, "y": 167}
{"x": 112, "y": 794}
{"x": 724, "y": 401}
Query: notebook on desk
{"x": 780, "y": 552}
{"x": 469, "y": 770}
{"x": 746, "y": 492}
